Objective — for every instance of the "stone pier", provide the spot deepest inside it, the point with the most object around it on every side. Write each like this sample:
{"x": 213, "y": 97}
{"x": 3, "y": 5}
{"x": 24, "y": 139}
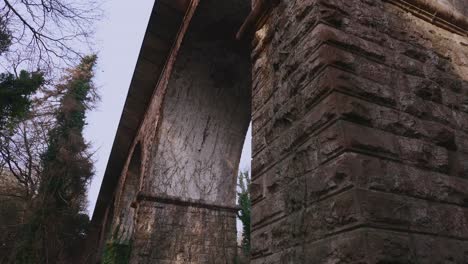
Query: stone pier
{"x": 360, "y": 134}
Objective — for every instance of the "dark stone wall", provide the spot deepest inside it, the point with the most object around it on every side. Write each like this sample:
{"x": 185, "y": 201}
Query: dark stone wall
{"x": 186, "y": 207}
{"x": 123, "y": 226}
{"x": 360, "y": 146}
{"x": 206, "y": 113}
{"x": 205, "y": 117}
{"x": 179, "y": 207}
{"x": 177, "y": 233}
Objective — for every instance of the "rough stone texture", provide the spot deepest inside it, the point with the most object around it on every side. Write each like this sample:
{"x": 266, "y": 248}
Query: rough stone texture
{"x": 195, "y": 151}
{"x": 211, "y": 237}
{"x": 123, "y": 222}
{"x": 179, "y": 205}
{"x": 360, "y": 135}
{"x": 360, "y": 129}
{"x": 198, "y": 147}
{"x": 459, "y": 6}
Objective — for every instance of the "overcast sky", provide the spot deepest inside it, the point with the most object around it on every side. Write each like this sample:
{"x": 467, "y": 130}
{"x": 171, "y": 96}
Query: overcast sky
{"x": 119, "y": 36}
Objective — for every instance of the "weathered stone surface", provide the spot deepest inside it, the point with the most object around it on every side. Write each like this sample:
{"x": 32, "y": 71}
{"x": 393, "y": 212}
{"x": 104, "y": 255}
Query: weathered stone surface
{"x": 180, "y": 234}
{"x": 360, "y": 136}
{"x": 360, "y": 129}
{"x": 176, "y": 203}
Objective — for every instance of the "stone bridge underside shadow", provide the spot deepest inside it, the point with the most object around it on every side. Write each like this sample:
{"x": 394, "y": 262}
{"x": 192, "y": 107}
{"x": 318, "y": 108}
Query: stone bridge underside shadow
{"x": 360, "y": 134}
{"x": 178, "y": 205}
{"x": 187, "y": 203}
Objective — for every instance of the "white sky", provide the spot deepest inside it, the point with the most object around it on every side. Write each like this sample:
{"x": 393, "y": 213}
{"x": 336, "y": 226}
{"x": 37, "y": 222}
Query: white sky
{"x": 119, "y": 36}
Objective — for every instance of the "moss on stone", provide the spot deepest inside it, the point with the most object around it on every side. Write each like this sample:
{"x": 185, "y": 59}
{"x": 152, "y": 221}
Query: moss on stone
{"x": 115, "y": 253}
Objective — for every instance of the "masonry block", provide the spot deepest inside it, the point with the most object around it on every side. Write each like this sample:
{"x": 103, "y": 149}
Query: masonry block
{"x": 359, "y": 134}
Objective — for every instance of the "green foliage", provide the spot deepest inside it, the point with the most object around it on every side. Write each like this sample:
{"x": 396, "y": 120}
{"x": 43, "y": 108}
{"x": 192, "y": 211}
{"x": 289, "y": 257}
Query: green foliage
{"x": 15, "y": 95}
{"x": 51, "y": 242}
{"x": 67, "y": 165}
{"x": 245, "y": 204}
{"x": 115, "y": 253}
{"x": 57, "y": 226}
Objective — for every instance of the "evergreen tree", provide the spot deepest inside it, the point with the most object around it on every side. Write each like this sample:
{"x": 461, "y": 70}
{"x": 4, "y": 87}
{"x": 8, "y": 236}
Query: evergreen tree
{"x": 15, "y": 91}
{"x": 58, "y": 223}
{"x": 15, "y": 96}
{"x": 245, "y": 204}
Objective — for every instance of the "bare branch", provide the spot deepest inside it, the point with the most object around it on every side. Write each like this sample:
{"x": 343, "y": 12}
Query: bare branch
{"x": 49, "y": 34}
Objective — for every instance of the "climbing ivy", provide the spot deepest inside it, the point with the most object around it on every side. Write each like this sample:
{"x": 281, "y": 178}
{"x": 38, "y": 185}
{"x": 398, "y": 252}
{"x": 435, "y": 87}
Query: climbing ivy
{"x": 245, "y": 204}
{"x": 57, "y": 225}
{"x": 117, "y": 253}
{"x": 116, "y": 250}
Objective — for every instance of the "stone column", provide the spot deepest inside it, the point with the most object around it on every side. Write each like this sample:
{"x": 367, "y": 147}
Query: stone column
{"x": 187, "y": 205}
{"x": 360, "y": 124}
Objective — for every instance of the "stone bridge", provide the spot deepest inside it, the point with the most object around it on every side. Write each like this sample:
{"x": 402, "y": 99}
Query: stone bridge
{"x": 360, "y": 134}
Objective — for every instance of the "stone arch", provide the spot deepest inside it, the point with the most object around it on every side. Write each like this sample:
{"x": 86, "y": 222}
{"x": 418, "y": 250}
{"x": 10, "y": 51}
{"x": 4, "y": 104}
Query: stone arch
{"x": 189, "y": 192}
{"x": 123, "y": 225}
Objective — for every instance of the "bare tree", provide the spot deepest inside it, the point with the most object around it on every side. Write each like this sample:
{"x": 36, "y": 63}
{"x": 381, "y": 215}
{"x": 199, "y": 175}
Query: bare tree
{"x": 46, "y": 34}
{"x": 20, "y": 154}
{"x": 21, "y": 147}
{"x": 41, "y": 36}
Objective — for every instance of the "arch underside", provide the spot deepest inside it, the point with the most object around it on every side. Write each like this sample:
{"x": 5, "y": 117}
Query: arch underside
{"x": 360, "y": 135}
{"x": 123, "y": 226}
{"x": 187, "y": 207}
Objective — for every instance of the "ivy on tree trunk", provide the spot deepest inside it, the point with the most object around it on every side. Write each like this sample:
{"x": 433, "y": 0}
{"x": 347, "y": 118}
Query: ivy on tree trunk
{"x": 245, "y": 204}
{"x": 58, "y": 224}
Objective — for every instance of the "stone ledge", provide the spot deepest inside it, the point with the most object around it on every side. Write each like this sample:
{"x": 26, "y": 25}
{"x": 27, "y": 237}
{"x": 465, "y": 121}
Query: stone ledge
{"x": 256, "y": 18}
{"x": 441, "y": 15}
{"x": 166, "y": 199}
